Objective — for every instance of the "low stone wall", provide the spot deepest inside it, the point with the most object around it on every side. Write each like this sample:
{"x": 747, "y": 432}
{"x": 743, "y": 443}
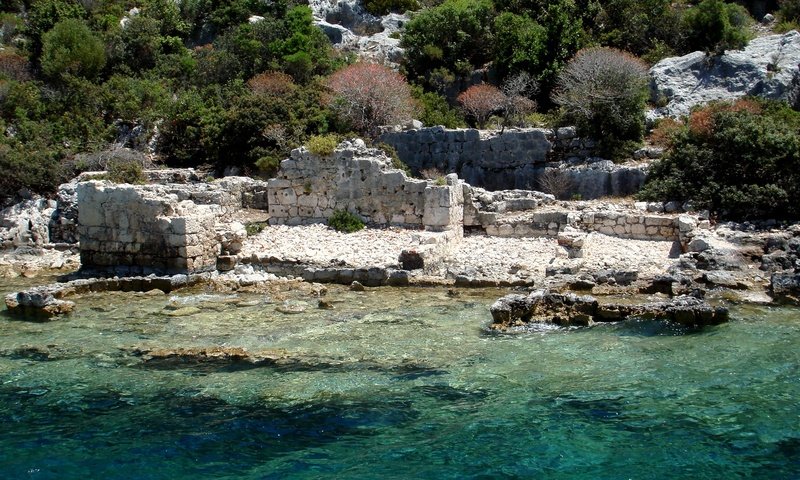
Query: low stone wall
{"x": 309, "y": 188}
{"x": 144, "y": 229}
{"x": 550, "y": 223}
{"x": 515, "y": 159}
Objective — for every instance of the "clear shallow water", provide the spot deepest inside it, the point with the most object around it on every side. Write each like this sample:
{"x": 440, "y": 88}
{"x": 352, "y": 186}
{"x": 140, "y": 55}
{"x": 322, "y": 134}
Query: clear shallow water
{"x": 394, "y": 384}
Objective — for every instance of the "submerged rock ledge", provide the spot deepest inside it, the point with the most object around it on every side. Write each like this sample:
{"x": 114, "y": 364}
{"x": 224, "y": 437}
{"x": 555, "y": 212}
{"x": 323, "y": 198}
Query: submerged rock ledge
{"x": 543, "y": 306}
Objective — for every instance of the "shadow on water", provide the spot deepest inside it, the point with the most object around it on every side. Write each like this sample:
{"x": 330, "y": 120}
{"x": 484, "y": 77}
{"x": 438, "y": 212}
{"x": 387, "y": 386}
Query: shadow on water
{"x": 192, "y": 429}
{"x": 653, "y": 328}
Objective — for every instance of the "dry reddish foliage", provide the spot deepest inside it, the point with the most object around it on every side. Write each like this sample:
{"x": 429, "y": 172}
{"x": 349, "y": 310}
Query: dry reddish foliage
{"x": 664, "y": 133}
{"x": 701, "y": 121}
{"x": 275, "y": 84}
{"x": 14, "y": 66}
{"x": 480, "y": 101}
{"x": 368, "y": 95}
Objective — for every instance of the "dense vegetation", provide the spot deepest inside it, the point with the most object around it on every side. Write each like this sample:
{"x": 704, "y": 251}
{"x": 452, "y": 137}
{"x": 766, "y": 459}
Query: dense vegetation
{"x": 80, "y": 77}
{"x": 740, "y": 160}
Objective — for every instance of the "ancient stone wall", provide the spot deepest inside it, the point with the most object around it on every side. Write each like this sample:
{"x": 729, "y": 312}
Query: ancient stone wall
{"x": 309, "y": 188}
{"x": 515, "y": 159}
{"x": 550, "y": 223}
{"x": 127, "y": 229}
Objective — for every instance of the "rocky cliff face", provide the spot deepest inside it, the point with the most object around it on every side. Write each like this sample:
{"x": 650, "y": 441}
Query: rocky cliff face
{"x": 767, "y": 67}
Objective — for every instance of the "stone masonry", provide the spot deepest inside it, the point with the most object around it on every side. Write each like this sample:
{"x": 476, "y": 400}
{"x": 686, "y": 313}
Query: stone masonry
{"x": 515, "y": 159}
{"x": 144, "y": 229}
{"x": 309, "y": 188}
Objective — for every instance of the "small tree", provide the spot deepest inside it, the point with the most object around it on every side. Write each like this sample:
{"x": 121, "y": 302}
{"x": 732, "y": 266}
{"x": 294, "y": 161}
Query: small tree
{"x": 367, "y": 95}
{"x": 715, "y": 26}
{"x": 480, "y": 101}
{"x": 518, "y": 90}
{"x": 604, "y": 91}
{"x": 71, "y": 48}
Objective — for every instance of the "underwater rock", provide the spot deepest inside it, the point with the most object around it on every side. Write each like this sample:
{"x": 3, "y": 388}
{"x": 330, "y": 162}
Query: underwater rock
{"x": 543, "y": 306}
{"x": 38, "y": 302}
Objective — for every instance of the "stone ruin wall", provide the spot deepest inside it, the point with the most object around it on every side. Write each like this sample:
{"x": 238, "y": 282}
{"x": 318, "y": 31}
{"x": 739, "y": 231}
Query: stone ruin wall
{"x": 309, "y": 188}
{"x": 520, "y": 214}
{"x": 144, "y": 230}
{"x": 164, "y": 228}
{"x": 230, "y": 193}
{"x": 515, "y": 159}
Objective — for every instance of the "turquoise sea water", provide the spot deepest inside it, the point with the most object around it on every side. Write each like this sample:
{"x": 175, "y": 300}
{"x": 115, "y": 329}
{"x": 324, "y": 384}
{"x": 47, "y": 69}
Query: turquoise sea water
{"x": 393, "y": 384}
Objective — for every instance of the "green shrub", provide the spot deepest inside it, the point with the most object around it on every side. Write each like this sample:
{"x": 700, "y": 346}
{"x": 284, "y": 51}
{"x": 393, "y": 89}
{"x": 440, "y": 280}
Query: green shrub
{"x": 344, "y": 221}
{"x": 268, "y": 164}
{"x": 739, "y": 160}
{"x": 382, "y": 7}
{"x": 789, "y": 11}
{"x": 457, "y": 31}
{"x": 603, "y": 91}
{"x": 322, "y": 145}
{"x": 254, "y": 228}
{"x": 715, "y": 26}
{"x": 120, "y": 171}
{"x": 434, "y": 109}
{"x": 71, "y": 48}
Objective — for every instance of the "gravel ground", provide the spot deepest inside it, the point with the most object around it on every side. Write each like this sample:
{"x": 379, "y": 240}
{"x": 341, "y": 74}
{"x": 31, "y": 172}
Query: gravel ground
{"x": 475, "y": 256}
{"x": 495, "y": 257}
{"x": 648, "y": 257}
{"x": 317, "y": 244}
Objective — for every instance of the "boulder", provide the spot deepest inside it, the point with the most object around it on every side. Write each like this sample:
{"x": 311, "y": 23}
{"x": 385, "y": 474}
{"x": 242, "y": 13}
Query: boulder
{"x": 785, "y": 287}
{"x": 767, "y": 67}
{"x": 543, "y": 306}
{"x": 37, "y": 303}
{"x": 26, "y": 223}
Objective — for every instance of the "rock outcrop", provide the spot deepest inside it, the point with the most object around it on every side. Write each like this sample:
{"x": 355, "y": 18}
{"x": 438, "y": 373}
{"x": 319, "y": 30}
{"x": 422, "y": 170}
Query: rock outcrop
{"x": 26, "y": 223}
{"x": 767, "y": 67}
{"x": 351, "y": 28}
{"x": 543, "y": 306}
{"x": 49, "y": 300}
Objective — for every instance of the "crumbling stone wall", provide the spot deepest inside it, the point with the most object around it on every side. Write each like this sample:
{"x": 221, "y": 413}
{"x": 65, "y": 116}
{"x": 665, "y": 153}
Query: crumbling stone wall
{"x": 515, "y": 159}
{"x": 309, "y": 188}
{"x": 488, "y": 159}
{"x": 128, "y": 230}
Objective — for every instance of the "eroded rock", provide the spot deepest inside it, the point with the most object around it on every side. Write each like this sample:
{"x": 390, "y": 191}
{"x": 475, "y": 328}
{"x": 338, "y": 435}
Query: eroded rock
{"x": 543, "y": 306}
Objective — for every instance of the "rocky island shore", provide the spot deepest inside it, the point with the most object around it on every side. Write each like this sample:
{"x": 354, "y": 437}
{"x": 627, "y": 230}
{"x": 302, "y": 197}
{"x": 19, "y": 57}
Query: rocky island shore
{"x": 240, "y": 232}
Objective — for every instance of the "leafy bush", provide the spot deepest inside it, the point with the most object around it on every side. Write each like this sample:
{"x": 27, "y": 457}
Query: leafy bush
{"x": 254, "y": 228}
{"x": 715, "y": 26}
{"x": 322, "y": 145}
{"x": 344, "y": 221}
{"x": 604, "y": 91}
{"x": 789, "y": 10}
{"x": 457, "y": 32}
{"x": 71, "y": 48}
{"x": 368, "y": 95}
{"x": 739, "y": 160}
{"x": 120, "y": 171}
{"x": 382, "y": 7}
{"x": 434, "y": 109}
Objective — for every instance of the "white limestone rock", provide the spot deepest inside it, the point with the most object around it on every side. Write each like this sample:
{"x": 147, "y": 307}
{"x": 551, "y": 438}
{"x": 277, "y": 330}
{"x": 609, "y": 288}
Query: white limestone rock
{"x": 767, "y": 67}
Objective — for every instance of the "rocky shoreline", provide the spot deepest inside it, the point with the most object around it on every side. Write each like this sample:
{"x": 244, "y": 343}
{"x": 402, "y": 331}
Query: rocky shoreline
{"x": 241, "y": 233}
